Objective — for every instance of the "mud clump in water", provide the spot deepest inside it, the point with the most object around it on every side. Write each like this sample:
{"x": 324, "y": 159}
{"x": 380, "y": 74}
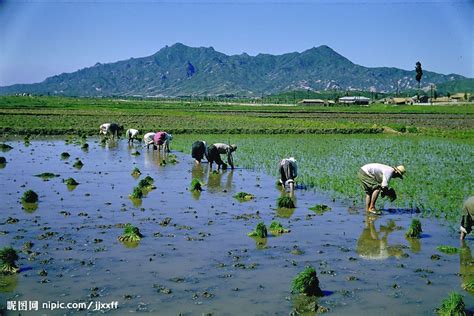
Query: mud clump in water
{"x": 414, "y": 231}
{"x": 244, "y": 196}
{"x": 285, "y": 202}
{"x": 136, "y": 173}
{"x": 85, "y": 146}
{"x": 276, "y": 228}
{"x": 260, "y": 231}
{"x": 130, "y": 234}
{"x": 29, "y": 196}
{"x": 71, "y": 182}
{"x": 46, "y": 175}
{"x": 320, "y": 208}
{"x": 78, "y": 164}
{"x": 448, "y": 249}
{"x": 5, "y": 147}
{"x": 453, "y": 305}
{"x": 8, "y": 258}
{"x": 196, "y": 185}
{"x": 307, "y": 282}
{"x": 65, "y": 155}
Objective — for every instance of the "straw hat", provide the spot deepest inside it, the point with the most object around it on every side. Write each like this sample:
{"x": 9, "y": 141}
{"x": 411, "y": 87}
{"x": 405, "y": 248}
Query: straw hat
{"x": 400, "y": 170}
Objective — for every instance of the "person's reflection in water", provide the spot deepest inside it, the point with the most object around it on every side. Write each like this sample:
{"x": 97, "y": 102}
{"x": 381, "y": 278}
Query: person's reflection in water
{"x": 466, "y": 267}
{"x": 154, "y": 158}
{"x": 214, "y": 182}
{"x": 198, "y": 172}
{"x": 373, "y": 245}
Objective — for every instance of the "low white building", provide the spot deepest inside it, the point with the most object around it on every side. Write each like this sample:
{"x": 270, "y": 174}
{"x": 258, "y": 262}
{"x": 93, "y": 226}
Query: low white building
{"x": 354, "y": 100}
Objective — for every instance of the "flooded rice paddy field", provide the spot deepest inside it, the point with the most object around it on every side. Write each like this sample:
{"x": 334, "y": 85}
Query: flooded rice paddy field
{"x": 195, "y": 256}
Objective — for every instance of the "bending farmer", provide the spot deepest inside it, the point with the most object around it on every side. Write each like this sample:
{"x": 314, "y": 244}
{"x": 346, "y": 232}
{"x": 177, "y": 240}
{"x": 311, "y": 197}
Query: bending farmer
{"x": 375, "y": 178}
{"x": 288, "y": 172}
{"x": 214, "y": 155}
{"x": 466, "y": 219}
{"x": 199, "y": 150}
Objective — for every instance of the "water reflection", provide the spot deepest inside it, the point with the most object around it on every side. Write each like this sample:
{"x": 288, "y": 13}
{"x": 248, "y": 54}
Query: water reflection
{"x": 466, "y": 267}
{"x": 214, "y": 181}
{"x": 373, "y": 244}
{"x": 8, "y": 282}
{"x": 199, "y": 172}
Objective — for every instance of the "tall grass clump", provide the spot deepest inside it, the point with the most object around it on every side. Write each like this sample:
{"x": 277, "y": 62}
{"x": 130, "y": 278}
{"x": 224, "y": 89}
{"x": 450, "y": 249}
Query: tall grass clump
{"x": 285, "y": 202}
{"x": 196, "y": 185}
{"x": 8, "y": 258}
{"x": 29, "y": 196}
{"x": 414, "y": 231}
{"x": 130, "y": 234}
{"x": 260, "y": 231}
{"x": 306, "y": 282}
{"x": 453, "y": 305}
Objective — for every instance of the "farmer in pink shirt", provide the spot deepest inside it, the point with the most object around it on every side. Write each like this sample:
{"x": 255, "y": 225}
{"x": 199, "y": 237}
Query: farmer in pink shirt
{"x": 163, "y": 138}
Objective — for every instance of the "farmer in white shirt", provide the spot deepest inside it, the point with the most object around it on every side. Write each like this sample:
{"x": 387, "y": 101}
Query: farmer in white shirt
{"x": 375, "y": 177}
{"x": 215, "y": 151}
{"x": 288, "y": 172}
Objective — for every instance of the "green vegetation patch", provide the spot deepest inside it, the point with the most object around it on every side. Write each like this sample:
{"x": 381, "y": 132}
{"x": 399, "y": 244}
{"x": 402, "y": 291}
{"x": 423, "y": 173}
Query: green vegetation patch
{"x": 285, "y": 202}
{"x": 130, "y": 234}
{"x": 71, "y": 182}
{"x": 78, "y": 164}
{"x": 260, "y": 231}
{"x": 414, "y": 231}
{"x": 448, "y": 249}
{"x": 196, "y": 185}
{"x": 146, "y": 183}
{"x": 29, "y": 196}
{"x": 453, "y": 305}
{"x": 137, "y": 193}
{"x": 3, "y": 160}
{"x": 5, "y": 147}
{"x": 244, "y": 196}
{"x": 65, "y": 155}
{"x": 320, "y": 208}
{"x": 47, "y": 175}
{"x": 136, "y": 172}
{"x": 469, "y": 286}
{"x": 307, "y": 282}
{"x": 8, "y": 258}
{"x": 276, "y": 228}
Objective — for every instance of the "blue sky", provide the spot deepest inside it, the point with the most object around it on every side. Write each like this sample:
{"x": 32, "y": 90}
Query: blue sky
{"x": 40, "y": 38}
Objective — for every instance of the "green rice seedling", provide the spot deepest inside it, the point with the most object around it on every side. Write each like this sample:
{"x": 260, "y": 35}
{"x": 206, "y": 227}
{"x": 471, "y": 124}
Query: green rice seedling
{"x": 71, "y": 181}
{"x": 304, "y": 305}
{"x": 469, "y": 286}
{"x": 85, "y": 146}
{"x": 285, "y": 202}
{"x": 320, "y": 208}
{"x": 307, "y": 282}
{"x": 196, "y": 185}
{"x": 78, "y": 164}
{"x": 136, "y": 172}
{"x": 65, "y": 155}
{"x": 3, "y": 160}
{"x": 244, "y": 196}
{"x": 29, "y": 196}
{"x": 260, "y": 231}
{"x": 130, "y": 234}
{"x": 46, "y": 175}
{"x": 8, "y": 258}
{"x": 137, "y": 193}
{"x": 135, "y": 153}
{"x": 453, "y": 305}
{"x": 448, "y": 249}
{"x": 172, "y": 159}
{"x": 5, "y": 147}
{"x": 276, "y": 228}
{"x": 146, "y": 183}
{"x": 414, "y": 231}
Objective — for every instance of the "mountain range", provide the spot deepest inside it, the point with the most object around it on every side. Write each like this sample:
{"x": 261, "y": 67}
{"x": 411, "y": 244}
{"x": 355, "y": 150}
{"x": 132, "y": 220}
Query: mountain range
{"x": 180, "y": 70}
